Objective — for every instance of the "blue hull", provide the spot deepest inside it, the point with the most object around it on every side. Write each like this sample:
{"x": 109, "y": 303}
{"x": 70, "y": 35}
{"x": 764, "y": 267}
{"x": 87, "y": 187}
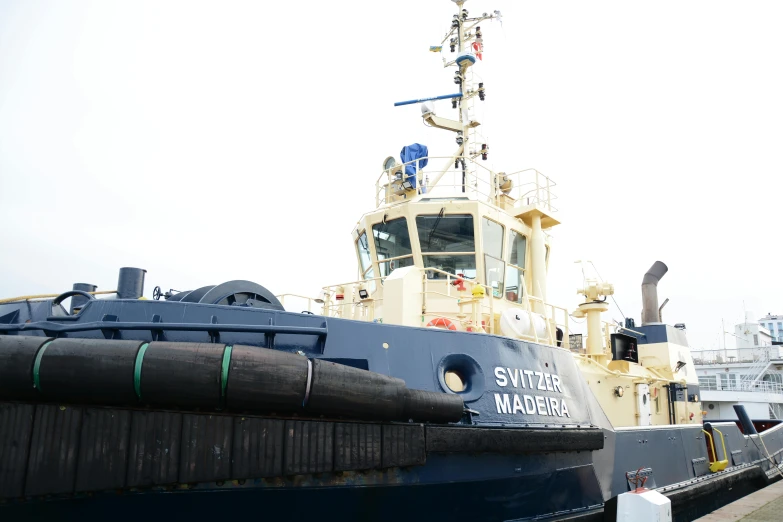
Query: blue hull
{"x": 511, "y": 385}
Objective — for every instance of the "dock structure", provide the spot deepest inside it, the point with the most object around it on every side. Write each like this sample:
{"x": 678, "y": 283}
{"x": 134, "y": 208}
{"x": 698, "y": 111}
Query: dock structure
{"x": 765, "y": 505}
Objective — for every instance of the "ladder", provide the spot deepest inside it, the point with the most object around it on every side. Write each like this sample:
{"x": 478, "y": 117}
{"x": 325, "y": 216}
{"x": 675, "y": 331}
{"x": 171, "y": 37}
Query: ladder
{"x": 757, "y": 370}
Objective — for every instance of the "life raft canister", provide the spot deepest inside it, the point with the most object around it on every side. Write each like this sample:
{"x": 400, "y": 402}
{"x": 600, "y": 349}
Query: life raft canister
{"x": 441, "y": 322}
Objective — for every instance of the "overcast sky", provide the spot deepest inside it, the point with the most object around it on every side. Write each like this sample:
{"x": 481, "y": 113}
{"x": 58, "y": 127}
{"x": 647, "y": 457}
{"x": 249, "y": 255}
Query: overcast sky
{"x": 210, "y": 141}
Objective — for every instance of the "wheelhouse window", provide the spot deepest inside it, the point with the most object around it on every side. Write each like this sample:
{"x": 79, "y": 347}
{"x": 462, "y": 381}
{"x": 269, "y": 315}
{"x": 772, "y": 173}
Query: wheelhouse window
{"x": 365, "y": 260}
{"x": 493, "y": 237}
{"x": 448, "y": 244}
{"x": 518, "y": 247}
{"x": 494, "y": 267}
{"x": 392, "y": 245}
{"x": 387, "y": 267}
{"x": 515, "y": 270}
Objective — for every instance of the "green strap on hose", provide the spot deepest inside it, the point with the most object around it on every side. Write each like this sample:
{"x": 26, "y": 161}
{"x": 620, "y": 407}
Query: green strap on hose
{"x": 224, "y": 369}
{"x": 137, "y": 369}
{"x": 37, "y": 366}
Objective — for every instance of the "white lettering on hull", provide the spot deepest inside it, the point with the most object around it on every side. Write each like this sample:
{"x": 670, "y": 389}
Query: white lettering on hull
{"x": 514, "y": 404}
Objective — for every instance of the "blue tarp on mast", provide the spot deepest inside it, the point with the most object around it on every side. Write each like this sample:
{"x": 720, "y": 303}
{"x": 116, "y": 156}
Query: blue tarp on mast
{"x": 412, "y": 153}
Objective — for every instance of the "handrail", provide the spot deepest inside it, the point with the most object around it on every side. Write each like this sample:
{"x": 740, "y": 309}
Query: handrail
{"x": 712, "y": 445}
{"x": 47, "y": 296}
{"x": 483, "y": 308}
{"x": 723, "y": 443}
{"x": 527, "y": 186}
{"x": 758, "y": 387}
{"x": 717, "y": 464}
{"x": 309, "y": 300}
{"x": 449, "y": 277}
{"x": 52, "y": 326}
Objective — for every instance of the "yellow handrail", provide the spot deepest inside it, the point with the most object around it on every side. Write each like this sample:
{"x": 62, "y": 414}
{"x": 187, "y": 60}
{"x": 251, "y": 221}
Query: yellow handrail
{"x": 721, "y": 464}
{"x": 717, "y": 465}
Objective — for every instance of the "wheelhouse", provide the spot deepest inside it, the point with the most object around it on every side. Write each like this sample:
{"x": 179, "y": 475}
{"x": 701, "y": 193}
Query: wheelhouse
{"x": 456, "y": 239}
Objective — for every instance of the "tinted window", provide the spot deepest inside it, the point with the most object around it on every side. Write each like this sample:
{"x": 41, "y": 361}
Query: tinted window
{"x": 518, "y": 244}
{"x": 455, "y": 265}
{"x": 370, "y": 274}
{"x": 514, "y": 284}
{"x": 392, "y": 239}
{"x": 493, "y": 237}
{"x": 450, "y": 233}
{"x": 364, "y": 252}
{"x": 495, "y": 269}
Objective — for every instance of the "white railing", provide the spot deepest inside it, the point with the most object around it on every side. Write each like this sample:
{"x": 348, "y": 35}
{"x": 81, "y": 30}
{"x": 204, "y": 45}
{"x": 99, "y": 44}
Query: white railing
{"x": 526, "y": 187}
{"x": 760, "y": 386}
{"x": 607, "y": 329}
{"x": 757, "y": 369}
{"x": 475, "y": 312}
{"x": 751, "y": 355}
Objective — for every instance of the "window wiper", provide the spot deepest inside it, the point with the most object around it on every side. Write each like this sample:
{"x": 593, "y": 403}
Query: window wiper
{"x": 435, "y": 227}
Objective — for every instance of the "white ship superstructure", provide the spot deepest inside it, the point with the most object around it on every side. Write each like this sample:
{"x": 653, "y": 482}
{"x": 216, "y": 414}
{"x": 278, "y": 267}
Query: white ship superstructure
{"x": 750, "y": 374}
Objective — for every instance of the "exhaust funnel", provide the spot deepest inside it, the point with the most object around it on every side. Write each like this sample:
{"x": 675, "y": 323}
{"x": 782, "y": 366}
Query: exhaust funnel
{"x": 650, "y": 310}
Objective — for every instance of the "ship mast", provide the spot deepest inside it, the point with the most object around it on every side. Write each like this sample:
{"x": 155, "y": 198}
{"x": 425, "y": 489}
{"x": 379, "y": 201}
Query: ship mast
{"x": 463, "y": 38}
{"x": 461, "y": 76}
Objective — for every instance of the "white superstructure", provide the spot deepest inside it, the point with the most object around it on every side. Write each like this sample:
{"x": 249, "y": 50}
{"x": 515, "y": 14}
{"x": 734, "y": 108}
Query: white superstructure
{"x": 751, "y": 374}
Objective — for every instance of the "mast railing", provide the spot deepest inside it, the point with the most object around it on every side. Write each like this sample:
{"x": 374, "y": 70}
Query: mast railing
{"x": 527, "y": 187}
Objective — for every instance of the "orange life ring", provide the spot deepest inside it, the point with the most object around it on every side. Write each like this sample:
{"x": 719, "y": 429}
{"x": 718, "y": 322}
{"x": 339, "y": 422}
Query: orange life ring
{"x": 441, "y": 322}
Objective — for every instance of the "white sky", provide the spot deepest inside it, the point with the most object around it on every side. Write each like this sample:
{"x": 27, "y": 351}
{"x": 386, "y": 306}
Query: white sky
{"x": 210, "y": 141}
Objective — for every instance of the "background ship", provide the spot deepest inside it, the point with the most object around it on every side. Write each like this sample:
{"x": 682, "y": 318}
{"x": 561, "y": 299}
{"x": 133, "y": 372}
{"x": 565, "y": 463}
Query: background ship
{"x": 748, "y": 374}
{"x": 442, "y": 378}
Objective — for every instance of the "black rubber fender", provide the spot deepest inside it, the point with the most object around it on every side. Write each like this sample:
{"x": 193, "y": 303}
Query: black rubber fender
{"x": 421, "y": 405}
{"x": 17, "y": 358}
{"x": 260, "y": 379}
{"x": 95, "y": 371}
{"x": 182, "y": 374}
{"x": 352, "y": 392}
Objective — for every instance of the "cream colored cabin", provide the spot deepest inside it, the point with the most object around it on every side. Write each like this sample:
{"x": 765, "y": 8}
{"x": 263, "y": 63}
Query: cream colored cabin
{"x": 467, "y": 258}
{"x": 452, "y": 244}
{"x": 441, "y": 257}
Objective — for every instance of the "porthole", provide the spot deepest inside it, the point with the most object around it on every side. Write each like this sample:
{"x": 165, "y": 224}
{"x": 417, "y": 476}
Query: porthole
{"x": 461, "y": 374}
{"x": 455, "y": 381}
{"x": 711, "y": 406}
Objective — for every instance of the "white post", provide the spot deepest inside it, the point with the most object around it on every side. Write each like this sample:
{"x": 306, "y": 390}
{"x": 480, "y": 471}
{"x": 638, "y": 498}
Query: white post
{"x": 643, "y": 505}
{"x": 538, "y": 263}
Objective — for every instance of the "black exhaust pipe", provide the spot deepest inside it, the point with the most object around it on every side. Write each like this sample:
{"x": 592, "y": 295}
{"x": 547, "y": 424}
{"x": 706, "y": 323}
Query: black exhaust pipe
{"x": 130, "y": 284}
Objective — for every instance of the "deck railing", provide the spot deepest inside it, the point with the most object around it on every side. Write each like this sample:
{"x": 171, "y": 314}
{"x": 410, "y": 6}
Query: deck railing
{"x": 477, "y": 313}
{"x": 736, "y": 355}
{"x": 760, "y": 387}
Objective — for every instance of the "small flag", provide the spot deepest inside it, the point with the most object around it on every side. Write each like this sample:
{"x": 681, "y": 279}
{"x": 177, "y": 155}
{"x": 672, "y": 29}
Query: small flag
{"x": 436, "y": 48}
{"x": 478, "y": 47}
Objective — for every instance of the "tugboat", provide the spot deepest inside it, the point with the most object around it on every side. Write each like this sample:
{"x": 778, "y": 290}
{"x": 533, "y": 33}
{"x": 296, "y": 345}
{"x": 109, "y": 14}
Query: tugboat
{"x": 440, "y": 385}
